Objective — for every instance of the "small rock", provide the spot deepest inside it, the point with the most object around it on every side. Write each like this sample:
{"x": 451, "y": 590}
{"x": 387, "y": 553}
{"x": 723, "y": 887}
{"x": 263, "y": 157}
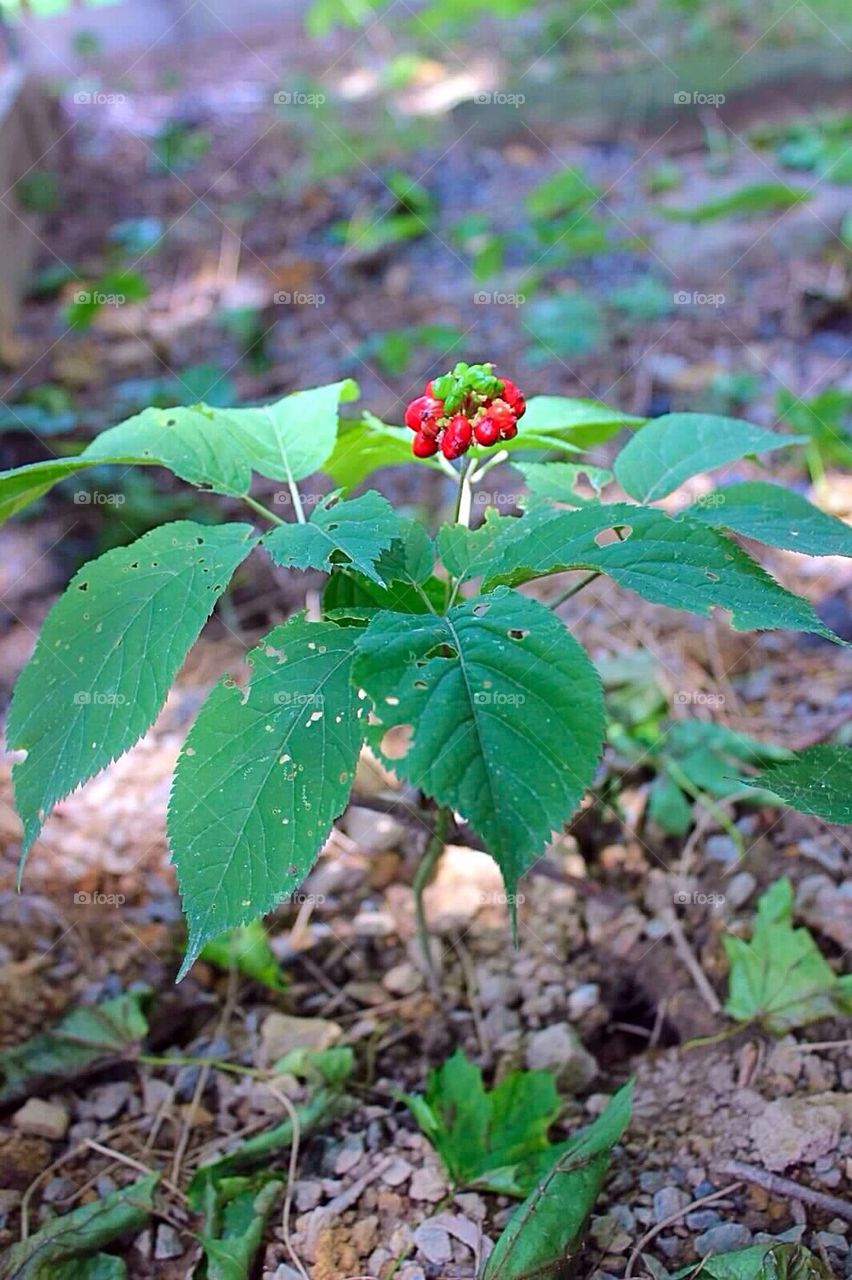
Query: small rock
{"x": 42, "y": 1119}
{"x": 168, "y": 1243}
{"x": 703, "y": 1219}
{"x": 374, "y": 924}
{"x": 831, "y": 1240}
{"x": 57, "y": 1189}
{"x": 397, "y": 1172}
{"x": 402, "y": 980}
{"x": 374, "y": 832}
{"x": 348, "y": 1155}
{"x": 364, "y": 1235}
{"x": 433, "y": 1242}
{"x": 583, "y": 999}
{"x": 669, "y": 1201}
{"x": 720, "y": 849}
{"x": 559, "y": 1049}
{"x": 799, "y": 1130}
{"x": 722, "y": 1239}
{"x": 427, "y": 1184}
{"x": 156, "y": 1093}
{"x": 280, "y": 1033}
{"x": 107, "y": 1100}
{"x": 307, "y": 1195}
{"x": 739, "y": 890}
{"x": 609, "y": 1235}
{"x": 144, "y": 1243}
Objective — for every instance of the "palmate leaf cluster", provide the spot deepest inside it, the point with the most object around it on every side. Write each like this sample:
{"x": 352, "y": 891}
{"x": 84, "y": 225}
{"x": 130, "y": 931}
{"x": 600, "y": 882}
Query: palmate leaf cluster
{"x": 505, "y": 707}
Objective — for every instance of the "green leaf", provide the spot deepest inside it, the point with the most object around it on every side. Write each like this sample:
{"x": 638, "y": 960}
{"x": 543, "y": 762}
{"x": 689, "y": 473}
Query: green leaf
{"x": 85, "y": 1036}
{"x": 580, "y": 422}
{"x": 507, "y": 715}
{"x": 100, "y": 1266}
{"x": 493, "y": 1139}
{"x": 668, "y": 560}
{"x": 467, "y": 553}
{"x": 219, "y": 448}
{"x": 83, "y": 1231}
{"x": 777, "y": 516}
{"x": 107, "y": 653}
{"x": 760, "y": 1262}
{"x": 23, "y": 485}
{"x": 406, "y": 568}
{"x": 557, "y": 481}
{"x": 817, "y": 780}
{"x": 365, "y": 446}
{"x": 670, "y": 449}
{"x": 248, "y": 951}
{"x": 359, "y": 529}
{"x": 249, "y": 1203}
{"x": 668, "y": 806}
{"x": 780, "y": 979}
{"x": 544, "y": 1232}
{"x": 755, "y": 197}
{"x": 263, "y": 774}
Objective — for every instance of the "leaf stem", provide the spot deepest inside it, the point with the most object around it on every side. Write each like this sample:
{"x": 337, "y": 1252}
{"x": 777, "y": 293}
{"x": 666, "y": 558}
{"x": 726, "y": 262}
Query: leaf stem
{"x": 428, "y": 862}
{"x": 261, "y": 509}
{"x": 464, "y": 496}
{"x": 572, "y": 591}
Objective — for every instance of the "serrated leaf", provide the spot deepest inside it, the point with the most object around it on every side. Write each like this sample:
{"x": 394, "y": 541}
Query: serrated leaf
{"x": 670, "y": 449}
{"x": 543, "y": 1234}
{"x": 775, "y": 515}
{"x": 780, "y": 979}
{"x": 467, "y": 553}
{"x": 507, "y": 715}
{"x": 366, "y": 446}
{"x": 107, "y": 653}
{"x": 244, "y": 1205}
{"x": 83, "y": 1231}
{"x": 84, "y": 1037}
{"x": 359, "y": 529}
{"x": 219, "y": 448}
{"x": 557, "y": 481}
{"x": 669, "y": 560}
{"x": 263, "y": 774}
{"x": 495, "y": 1138}
{"x": 817, "y": 780}
{"x": 406, "y": 568}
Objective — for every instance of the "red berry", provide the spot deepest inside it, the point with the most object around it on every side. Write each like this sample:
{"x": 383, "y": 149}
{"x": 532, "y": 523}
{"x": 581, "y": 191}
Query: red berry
{"x": 487, "y": 432}
{"x": 423, "y": 446}
{"x": 457, "y": 437}
{"x": 505, "y": 417}
{"x": 422, "y": 409}
{"x": 513, "y": 397}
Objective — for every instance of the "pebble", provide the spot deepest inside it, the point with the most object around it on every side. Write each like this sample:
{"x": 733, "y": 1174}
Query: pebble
{"x": 42, "y": 1119}
{"x": 374, "y": 832}
{"x": 668, "y": 1201}
{"x": 402, "y": 980}
{"x": 427, "y": 1184}
{"x": 307, "y": 1194}
{"x": 107, "y": 1100}
{"x": 831, "y": 1240}
{"x": 609, "y": 1235}
{"x": 722, "y": 1239}
{"x": 57, "y": 1189}
{"x": 168, "y": 1243}
{"x": 739, "y": 890}
{"x": 720, "y": 849}
{"x": 397, "y": 1172}
{"x": 374, "y": 924}
{"x": 559, "y": 1049}
{"x": 583, "y": 999}
{"x": 433, "y": 1242}
{"x": 349, "y": 1153}
{"x": 703, "y": 1219}
{"x": 280, "y": 1033}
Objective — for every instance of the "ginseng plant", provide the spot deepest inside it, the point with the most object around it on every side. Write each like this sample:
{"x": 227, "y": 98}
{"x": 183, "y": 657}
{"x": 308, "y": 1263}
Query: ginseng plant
{"x": 502, "y": 708}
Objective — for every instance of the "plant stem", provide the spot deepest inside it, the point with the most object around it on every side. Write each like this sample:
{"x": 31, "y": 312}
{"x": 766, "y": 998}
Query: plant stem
{"x": 572, "y": 591}
{"x": 464, "y": 496}
{"x": 428, "y": 862}
{"x": 707, "y": 802}
{"x": 488, "y": 465}
{"x": 261, "y": 509}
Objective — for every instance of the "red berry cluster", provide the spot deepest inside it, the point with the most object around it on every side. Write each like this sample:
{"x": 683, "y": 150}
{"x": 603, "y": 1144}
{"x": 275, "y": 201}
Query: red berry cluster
{"x": 469, "y": 405}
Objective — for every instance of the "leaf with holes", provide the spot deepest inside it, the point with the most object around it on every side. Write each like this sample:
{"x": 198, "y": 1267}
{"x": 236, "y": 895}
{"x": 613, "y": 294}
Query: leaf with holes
{"x": 670, "y": 449}
{"x": 777, "y": 516}
{"x": 358, "y": 530}
{"x": 263, "y": 774}
{"x": 670, "y": 561}
{"x": 816, "y": 780}
{"x": 406, "y": 568}
{"x": 107, "y": 653}
{"x": 506, "y": 713}
{"x": 557, "y": 481}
